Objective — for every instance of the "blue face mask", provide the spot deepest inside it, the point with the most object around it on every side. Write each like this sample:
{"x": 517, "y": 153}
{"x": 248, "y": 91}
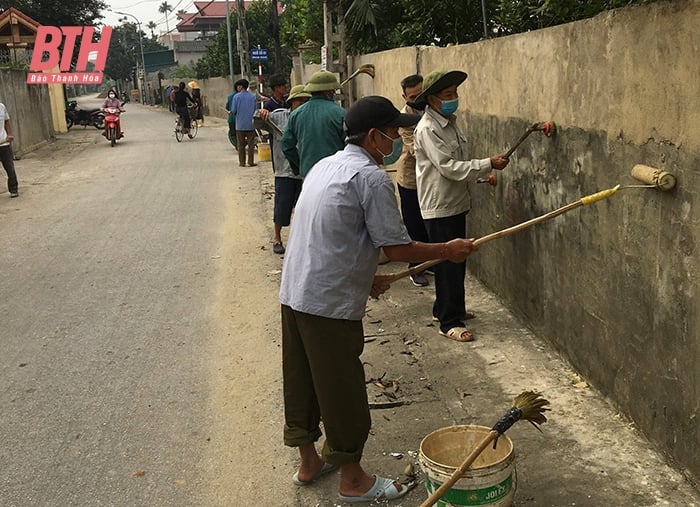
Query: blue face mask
{"x": 396, "y": 149}
{"x": 447, "y": 107}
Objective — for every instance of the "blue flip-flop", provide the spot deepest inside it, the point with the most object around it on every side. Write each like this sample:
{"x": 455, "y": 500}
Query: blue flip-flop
{"x": 383, "y": 489}
{"x": 325, "y": 469}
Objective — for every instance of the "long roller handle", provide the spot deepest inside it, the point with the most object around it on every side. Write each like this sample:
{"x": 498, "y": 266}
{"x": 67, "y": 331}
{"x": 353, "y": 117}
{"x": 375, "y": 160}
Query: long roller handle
{"x": 589, "y": 199}
{"x": 527, "y": 132}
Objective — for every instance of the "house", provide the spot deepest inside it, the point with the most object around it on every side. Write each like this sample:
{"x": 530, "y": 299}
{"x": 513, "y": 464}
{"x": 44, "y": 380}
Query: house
{"x": 17, "y": 34}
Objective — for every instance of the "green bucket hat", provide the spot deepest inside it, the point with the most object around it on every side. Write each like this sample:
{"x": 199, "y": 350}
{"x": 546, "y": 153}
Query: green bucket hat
{"x": 298, "y": 92}
{"x": 322, "y": 81}
{"x": 437, "y": 81}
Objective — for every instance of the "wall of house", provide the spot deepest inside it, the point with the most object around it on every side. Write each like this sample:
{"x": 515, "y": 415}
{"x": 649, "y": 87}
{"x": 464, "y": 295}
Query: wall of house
{"x": 30, "y": 111}
{"x": 612, "y": 285}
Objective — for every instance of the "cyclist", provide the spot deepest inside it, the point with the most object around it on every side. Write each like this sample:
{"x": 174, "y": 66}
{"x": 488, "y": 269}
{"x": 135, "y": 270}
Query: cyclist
{"x": 181, "y": 98}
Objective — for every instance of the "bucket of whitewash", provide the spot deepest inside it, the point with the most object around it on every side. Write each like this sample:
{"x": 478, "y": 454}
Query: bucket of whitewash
{"x": 489, "y": 481}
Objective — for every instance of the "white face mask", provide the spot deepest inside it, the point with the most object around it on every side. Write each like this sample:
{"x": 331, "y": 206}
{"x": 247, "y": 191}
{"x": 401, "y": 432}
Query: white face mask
{"x": 111, "y": 95}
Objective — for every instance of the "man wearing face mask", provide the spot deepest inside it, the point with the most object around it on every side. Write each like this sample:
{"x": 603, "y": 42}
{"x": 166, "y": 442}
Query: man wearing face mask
{"x": 346, "y": 212}
{"x": 444, "y": 168}
{"x": 315, "y": 130}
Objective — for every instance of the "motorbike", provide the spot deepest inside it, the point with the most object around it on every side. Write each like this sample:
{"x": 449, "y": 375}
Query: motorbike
{"x": 84, "y": 117}
{"x": 112, "y": 126}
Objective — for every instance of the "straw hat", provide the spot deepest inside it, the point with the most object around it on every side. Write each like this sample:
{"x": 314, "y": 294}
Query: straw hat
{"x": 193, "y": 84}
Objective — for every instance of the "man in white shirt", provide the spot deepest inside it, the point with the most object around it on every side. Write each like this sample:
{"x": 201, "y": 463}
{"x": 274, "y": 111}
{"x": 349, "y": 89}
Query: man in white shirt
{"x": 443, "y": 169}
{"x": 6, "y": 156}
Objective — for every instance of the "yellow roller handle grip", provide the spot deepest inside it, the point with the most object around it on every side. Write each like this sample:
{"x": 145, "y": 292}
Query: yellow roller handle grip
{"x": 599, "y": 196}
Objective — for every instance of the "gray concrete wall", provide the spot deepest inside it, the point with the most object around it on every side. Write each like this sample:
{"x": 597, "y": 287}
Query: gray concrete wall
{"x": 612, "y": 285}
{"x": 30, "y": 111}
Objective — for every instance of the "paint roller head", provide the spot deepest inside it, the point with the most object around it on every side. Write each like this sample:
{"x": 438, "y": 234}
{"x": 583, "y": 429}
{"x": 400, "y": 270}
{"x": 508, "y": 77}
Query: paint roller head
{"x": 652, "y": 176}
{"x": 547, "y": 128}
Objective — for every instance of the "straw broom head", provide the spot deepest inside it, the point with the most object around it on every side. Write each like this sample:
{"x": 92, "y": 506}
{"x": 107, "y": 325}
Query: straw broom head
{"x": 529, "y": 406}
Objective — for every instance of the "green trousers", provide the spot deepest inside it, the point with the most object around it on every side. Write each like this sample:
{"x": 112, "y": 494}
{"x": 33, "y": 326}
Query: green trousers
{"x": 324, "y": 380}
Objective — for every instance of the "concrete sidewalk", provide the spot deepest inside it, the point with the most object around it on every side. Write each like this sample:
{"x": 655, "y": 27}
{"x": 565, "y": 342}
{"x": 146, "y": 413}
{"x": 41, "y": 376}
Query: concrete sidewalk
{"x": 586, "y": 455}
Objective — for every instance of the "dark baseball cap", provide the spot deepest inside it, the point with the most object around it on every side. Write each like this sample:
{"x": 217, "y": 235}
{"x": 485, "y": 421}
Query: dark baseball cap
{"x": 375, "y": 112}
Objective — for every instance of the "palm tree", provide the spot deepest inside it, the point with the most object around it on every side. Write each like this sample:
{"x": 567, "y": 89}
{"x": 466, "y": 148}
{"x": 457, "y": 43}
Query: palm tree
{"x": 165, "y": 8}
{"x": 152, "y": 26}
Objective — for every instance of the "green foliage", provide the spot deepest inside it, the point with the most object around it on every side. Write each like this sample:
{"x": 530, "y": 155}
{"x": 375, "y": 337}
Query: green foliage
{"x": 375, "y": 25}
{"x": 51, "y": 12}
{"x": 124, "y": 50}
{"x": 215, "y": 62}
{"x": 524, "y": 15}
{"x": 184, "y": 72}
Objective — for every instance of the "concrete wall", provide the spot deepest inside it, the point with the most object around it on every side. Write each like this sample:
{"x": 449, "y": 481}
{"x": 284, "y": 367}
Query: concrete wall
{"x": 612, "y": 285}
{"x": 30, "y": 111}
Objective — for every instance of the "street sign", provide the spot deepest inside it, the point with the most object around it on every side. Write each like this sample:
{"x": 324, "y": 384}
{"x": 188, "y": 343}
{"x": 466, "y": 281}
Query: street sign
{"x": 258, "y": 55}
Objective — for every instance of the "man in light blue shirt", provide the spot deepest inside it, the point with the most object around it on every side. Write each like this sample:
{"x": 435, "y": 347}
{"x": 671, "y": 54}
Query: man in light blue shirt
{"x": 243, "y": 108}
{"x": 346, "y": 212}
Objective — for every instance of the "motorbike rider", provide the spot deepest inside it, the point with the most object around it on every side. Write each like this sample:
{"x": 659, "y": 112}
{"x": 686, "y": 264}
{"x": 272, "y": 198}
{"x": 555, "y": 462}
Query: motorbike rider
{"x": 112, "y": 102}
{"x": 181, "y": 98}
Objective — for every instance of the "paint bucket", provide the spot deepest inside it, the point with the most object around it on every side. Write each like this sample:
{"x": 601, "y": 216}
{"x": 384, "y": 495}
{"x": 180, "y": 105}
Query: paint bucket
{"x": 264, "y": 153}
{"x": 489, "y": 481}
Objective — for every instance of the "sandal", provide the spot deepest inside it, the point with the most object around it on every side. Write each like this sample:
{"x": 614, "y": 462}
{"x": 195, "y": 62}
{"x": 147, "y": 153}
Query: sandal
{"x": 383, "y": 489}
{"x": 467, "y": 316}
{"x": 325, "y": 469}
{"x": 459, "y": 334}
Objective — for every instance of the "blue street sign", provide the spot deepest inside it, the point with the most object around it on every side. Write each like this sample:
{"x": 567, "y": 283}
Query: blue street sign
{"x": 258, "y": 55}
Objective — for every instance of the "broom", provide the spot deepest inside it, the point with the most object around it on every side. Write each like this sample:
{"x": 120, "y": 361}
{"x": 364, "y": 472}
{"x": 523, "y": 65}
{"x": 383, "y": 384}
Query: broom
{"x": 589, "y": 199}
{"x": 366, "y": 68}
{"x": 527, "y": 406}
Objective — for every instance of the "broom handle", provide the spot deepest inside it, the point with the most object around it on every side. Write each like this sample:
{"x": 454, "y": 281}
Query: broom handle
{"x": 604, "y": 194}
{"x": 457, "y": 474}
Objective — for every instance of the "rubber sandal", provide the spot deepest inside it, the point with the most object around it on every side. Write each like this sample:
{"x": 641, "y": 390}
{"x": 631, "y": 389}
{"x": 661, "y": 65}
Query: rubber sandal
{"x": 383, "y": 489}
{"x": 278, "y": 248}
{"x": 325, "y": 469}
{"x": 456, "y": 334}
{"x": 467, "y": 316}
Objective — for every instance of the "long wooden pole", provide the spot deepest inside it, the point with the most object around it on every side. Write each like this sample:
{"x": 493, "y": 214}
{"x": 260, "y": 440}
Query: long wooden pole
{"x": 459, "y": 472}
{"x": 589, "y": 199}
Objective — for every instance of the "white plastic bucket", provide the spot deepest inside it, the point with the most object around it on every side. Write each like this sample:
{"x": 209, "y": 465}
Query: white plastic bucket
{"x": 491, "y": 479}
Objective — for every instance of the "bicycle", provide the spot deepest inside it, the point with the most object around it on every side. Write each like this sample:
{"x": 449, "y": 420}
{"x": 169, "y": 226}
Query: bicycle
{"x": 180, "y": 129}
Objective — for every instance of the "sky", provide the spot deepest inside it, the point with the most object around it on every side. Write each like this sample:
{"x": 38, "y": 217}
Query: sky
{"x": 145, "y": 11}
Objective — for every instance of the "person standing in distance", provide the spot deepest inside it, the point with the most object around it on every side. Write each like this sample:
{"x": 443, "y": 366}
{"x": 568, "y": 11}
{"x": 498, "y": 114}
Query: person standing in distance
{"x": 243, "y": 107}
{"x": 238, "y": 87}
{"x": 6, "y": 155}
{"x": 443, "y": 170}
{"x": 315, "y": 130}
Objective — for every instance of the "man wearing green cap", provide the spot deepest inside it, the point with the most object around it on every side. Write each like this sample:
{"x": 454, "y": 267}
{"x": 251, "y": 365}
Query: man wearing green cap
{"x": 444, "y": 168}
{"x": 315, "y": 130}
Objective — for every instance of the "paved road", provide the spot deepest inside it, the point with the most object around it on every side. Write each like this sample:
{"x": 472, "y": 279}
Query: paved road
{"x": 140, "y": 359}
{"x": 116, "y": 264}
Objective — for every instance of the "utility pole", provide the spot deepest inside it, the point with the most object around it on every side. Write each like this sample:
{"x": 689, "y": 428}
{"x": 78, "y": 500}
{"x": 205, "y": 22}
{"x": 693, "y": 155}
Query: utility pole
{"x": 143, "y": 61}
{"x": 243, "y": 40}
{"x": 230, "y": 50}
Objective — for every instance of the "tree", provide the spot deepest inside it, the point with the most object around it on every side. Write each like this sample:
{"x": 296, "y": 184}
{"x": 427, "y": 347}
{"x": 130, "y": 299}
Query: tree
{"x": 165, "y": 8}
{"x": 152, "y": 26}
{"x": 124, "y": 51}
{"x": 51, "y": 12}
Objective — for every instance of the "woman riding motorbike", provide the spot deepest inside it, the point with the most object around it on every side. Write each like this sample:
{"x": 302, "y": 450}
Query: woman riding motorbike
{"x": 112, "y": 102}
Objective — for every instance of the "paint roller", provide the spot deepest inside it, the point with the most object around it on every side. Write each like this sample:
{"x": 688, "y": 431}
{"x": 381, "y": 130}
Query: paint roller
{"x": 651, "y": 177}
{"x": 546, "y": 127}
